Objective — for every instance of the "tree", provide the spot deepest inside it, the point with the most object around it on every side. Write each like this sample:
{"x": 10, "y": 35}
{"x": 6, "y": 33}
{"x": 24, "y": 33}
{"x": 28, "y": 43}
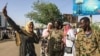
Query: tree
{"x": 95, "y": 27}
{"x": 44, "y": 12}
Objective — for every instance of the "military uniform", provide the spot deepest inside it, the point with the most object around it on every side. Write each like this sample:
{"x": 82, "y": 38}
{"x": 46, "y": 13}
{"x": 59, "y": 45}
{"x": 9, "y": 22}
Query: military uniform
{"x": 55, "y": 43}
{"x": 87, "y": 45}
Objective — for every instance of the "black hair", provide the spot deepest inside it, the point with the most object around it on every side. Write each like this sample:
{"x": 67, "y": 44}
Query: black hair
{"x": 86, "y": 20}
{"x": 60, "y": 25}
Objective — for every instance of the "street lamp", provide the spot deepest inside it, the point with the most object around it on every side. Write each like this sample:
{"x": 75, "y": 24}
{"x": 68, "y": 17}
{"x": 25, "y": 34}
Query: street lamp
{"x": 79, "y": 3}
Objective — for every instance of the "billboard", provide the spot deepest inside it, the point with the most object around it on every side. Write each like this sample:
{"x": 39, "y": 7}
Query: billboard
{"x": 86, "y": 7}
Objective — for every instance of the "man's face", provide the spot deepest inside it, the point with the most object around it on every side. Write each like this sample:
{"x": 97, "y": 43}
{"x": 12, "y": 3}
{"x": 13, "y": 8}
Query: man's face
{"x": 82, "y": 24}
{"x": 31, "y": 26}
{"x": 56, "y": 24}
{"x": 64, "y": 26}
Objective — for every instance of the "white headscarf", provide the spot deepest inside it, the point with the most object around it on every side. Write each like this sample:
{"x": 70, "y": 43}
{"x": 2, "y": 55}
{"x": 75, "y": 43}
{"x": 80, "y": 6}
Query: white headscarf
{"x": 49, "y": 24}
{"x": 45, "y": 32}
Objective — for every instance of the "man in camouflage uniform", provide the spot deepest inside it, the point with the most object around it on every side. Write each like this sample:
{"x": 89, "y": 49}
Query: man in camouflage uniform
{"x": 88, "y": 41}
{"x": 55, "y": 47}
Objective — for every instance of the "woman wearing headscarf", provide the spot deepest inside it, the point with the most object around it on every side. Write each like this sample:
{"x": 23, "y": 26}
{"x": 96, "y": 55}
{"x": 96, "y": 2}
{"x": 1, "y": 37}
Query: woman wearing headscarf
{"x": 45, "y": 35}
{"x": 27, "y": 36}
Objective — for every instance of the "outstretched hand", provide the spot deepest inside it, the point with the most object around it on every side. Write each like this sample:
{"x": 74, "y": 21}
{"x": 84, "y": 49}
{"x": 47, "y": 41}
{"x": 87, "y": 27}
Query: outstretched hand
{"x": 4, "y": 11}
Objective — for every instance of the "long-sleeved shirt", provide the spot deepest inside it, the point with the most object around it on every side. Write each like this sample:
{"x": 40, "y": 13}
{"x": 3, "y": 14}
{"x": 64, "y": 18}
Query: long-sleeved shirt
{"x": 87, "y": 45}
{"x": 27, "y": 40}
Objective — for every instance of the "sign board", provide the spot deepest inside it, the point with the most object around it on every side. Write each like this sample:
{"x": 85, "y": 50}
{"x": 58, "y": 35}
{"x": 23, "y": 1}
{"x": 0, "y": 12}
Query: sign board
{"x": 86, "y": 7}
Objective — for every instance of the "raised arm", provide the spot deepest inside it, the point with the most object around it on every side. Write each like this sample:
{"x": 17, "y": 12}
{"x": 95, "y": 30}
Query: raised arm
{"x": 9, "y": 20}
{"x": 34, "y": 38}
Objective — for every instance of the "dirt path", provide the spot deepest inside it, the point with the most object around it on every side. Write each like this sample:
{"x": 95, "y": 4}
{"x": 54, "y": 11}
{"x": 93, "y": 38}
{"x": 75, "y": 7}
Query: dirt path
{"x": 9, "y": 48}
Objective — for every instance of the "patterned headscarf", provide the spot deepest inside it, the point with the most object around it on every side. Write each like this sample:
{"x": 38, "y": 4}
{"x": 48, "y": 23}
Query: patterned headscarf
{"x": 26, "y": 26}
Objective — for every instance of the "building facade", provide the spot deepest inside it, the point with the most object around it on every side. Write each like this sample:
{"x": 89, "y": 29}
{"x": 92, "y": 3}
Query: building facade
{"x": 71, "y": 19}
{"x": 3, "y": 26}
{"x": 3, "y": 22}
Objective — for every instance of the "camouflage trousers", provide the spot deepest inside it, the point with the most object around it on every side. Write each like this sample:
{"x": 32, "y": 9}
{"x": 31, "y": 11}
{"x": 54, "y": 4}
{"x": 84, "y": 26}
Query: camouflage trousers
{"x": 53, "y": 53}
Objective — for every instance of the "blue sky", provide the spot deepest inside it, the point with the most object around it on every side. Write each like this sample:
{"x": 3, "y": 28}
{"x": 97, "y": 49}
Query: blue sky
{"x": 18, "y": 8}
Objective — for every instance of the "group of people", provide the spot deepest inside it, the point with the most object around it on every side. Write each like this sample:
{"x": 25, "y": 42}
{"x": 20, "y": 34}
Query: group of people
{"x": 58, "y": 39}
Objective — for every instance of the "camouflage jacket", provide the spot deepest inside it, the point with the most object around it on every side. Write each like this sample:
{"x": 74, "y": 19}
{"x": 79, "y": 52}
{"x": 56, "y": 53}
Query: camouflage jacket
{"x": 87, "y": 46}
{"x": 55, "y": 40}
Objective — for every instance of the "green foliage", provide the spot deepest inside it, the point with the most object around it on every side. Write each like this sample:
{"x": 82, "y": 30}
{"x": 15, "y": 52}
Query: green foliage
{"x": 44, "y": 12}
{"x": 95, "y": 27}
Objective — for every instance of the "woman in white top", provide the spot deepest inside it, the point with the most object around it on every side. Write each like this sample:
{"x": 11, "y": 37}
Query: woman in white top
{"x": 70, "y": 38}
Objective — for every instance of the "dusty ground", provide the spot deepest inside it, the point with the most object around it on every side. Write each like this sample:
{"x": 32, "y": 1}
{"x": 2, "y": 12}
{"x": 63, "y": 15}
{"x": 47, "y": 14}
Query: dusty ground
{"x": 9, "y": 48}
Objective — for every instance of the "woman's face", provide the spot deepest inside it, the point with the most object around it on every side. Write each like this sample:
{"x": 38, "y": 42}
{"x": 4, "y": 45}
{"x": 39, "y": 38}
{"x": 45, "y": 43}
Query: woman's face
{"x": 50, "y": 26}
{"x": 31, "y": 26}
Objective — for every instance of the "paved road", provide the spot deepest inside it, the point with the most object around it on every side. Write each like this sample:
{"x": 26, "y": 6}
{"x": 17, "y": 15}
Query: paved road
{"x": 9, "y": 48}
